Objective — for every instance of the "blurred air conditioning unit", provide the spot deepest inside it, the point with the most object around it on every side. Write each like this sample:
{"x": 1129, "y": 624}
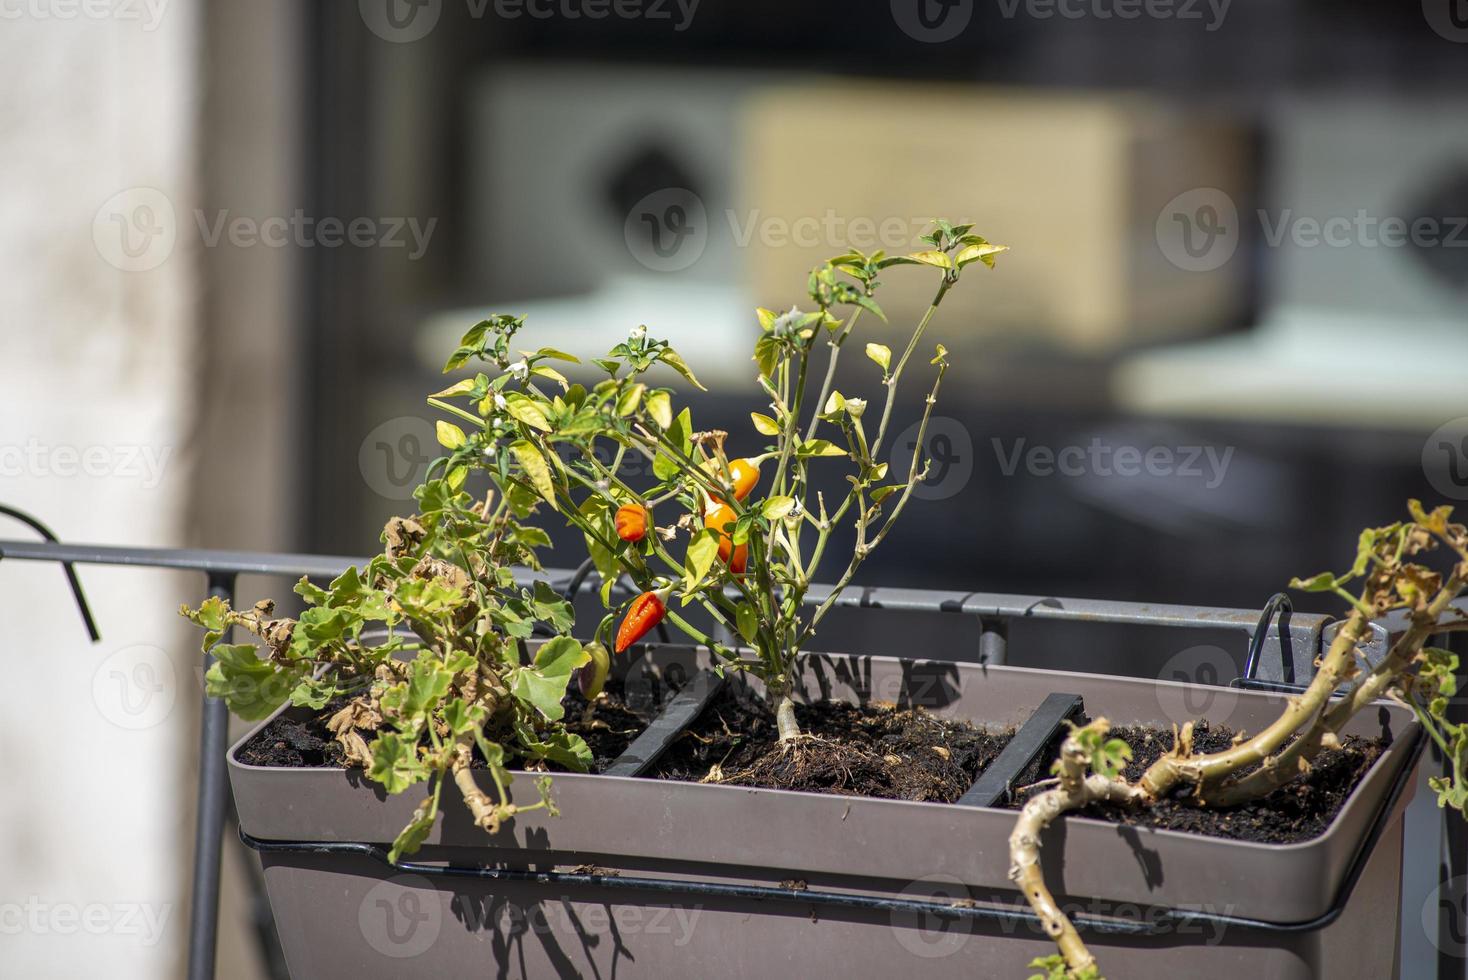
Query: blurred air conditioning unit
{"x": 587, "y": 173}
{"x": 671, "y": 179}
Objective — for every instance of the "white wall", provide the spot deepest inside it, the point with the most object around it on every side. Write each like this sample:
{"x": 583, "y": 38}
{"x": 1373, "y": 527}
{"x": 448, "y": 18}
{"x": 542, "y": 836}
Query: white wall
{"x": 96, "y": 343}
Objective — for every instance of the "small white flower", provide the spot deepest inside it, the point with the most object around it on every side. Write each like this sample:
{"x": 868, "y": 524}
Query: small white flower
{"x": 855, "y": 407}
{"x": 637, "y": 332}
{"x": 499, "y": 401}
{"x": 785, "y": 322}
{"x": 489, "y": 452}
{"x": 520, "y": 370}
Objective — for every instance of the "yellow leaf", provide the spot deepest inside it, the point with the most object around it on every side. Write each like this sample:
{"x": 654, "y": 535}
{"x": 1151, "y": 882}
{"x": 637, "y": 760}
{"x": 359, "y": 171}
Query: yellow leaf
{"x": 934, "y": 258}
{"x": 764, "y": 425}
{"x": 450, "y": 436}
{"x": 880, "y": 353}
{"x": 660, "y": 407}
{"x": 526, "y": 410}
{"x": 536, "y": 469}
{"x": 459, "y": 388}
{"x": 984, "y": 252}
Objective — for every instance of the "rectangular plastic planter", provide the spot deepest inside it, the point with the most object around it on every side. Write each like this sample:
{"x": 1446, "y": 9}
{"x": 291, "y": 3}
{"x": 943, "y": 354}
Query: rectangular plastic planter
{"x": 650, "y": 878}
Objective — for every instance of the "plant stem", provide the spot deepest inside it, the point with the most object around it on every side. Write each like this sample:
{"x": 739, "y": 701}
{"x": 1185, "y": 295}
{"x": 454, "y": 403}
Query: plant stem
{"x": 785, "y": 723}
{"x": 914, "y": 477}
{"x": 835, "y": 344}
{"x": 902, "y": 363}
{"x": 452, "y": 409}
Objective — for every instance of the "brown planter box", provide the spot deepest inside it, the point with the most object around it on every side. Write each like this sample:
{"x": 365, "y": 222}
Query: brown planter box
{"x": 731, "y": 881}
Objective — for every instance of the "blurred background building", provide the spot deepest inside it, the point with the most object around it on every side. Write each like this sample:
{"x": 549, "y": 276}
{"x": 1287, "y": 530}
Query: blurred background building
{"x": 242, "y": 235}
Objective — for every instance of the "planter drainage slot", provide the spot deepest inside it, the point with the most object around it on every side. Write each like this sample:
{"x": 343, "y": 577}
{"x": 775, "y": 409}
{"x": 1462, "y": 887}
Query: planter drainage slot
{"x": 994, "y": 783}
{"x": 686, "y": 706}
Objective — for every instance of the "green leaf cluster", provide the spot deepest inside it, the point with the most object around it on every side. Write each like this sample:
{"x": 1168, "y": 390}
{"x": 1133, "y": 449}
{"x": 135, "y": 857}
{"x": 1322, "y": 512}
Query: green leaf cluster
{"x": 422, "y": 656}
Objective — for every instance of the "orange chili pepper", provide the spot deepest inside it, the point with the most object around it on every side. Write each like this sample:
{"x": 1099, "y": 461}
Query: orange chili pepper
{"x": 646, "y": 611}
{"x": 720, "y": 517}
{"x": 631, "y": 522}
{"x": 744, "y": 474}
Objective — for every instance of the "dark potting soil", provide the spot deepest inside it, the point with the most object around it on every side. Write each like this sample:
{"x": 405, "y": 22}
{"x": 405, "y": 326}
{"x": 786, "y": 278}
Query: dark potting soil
{"x": 1295, "y": 812}
{"x": 615, "y": 723}
{"x": 307, "y": 744}
{"x": 853, "y": 751}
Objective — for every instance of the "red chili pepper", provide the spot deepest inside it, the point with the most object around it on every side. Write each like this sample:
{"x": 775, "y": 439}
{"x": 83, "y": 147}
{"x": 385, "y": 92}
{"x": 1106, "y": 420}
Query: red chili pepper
{"x": 631, "y": 522}
{"x": 646, "y": 611}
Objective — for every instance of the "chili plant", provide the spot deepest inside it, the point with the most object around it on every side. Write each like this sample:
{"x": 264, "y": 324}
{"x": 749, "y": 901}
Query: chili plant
{"x": 685, "y": 519}
{"x": 1411, "y": 673}
{"x": 422, "y": 656}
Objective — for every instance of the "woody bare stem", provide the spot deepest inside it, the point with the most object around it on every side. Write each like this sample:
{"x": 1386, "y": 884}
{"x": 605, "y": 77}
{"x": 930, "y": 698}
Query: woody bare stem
{"x": 1073, "y": 791}
{"x": 1215, "y": 777}
{"x": 1327, "y": 723}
